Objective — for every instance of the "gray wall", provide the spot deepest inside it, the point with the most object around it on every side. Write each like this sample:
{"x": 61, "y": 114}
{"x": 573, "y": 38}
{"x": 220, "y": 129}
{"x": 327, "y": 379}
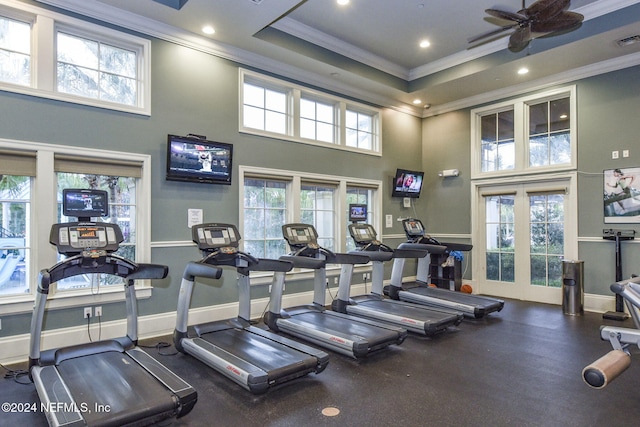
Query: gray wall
{"x": 193, "y": 92}
{"x": 608, "y": 107}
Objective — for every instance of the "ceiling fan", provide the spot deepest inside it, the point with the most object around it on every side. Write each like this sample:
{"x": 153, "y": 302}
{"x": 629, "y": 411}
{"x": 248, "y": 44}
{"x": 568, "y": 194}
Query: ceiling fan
{"x": 543, "y": 18}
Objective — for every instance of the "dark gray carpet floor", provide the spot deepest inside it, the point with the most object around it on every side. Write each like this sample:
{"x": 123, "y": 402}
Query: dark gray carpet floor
{"x": 519, "y": 367}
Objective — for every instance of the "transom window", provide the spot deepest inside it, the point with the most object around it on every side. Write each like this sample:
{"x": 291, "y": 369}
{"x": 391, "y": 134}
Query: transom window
{"x": 15, "y": 51}
{"x": 525, "y": 136}
{"x": 92, "y": 65}
{"x": 278, "y": 109}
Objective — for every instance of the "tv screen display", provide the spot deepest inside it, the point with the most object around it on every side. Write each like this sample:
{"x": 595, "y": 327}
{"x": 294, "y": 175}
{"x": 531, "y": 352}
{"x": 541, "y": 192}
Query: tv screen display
{"x": 81, "y": 203}
{"x": 198, "y": 160}
{"x": 407, "y": 183}
{"x": 357, "y": 212}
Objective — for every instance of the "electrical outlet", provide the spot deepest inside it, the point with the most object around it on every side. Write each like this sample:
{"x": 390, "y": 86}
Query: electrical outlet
{"x": 98, "y": 311}
{"x": 87, "y": 312}
{"x": 625, "y": 153}
{"x": 615, "y": 154}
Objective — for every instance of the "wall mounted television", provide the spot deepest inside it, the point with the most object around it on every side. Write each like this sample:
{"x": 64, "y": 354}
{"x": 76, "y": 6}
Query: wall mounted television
{"x": 195, "y": 159}
{"x": 407, "y": 183}
{"x": 357, "y": 212}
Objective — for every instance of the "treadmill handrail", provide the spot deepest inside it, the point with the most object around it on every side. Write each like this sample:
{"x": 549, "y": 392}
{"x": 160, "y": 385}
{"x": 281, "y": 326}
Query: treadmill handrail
{"x": 434, "y": 249}
{"x": 195, "y": 269}
{"x": 305, "y": 262}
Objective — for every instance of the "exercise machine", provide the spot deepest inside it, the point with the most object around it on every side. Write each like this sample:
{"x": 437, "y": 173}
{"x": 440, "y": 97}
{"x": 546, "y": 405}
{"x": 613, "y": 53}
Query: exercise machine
{"x": 254, "y": 358}
{"x": 109, "y": 382}
{"x": 604, "y": 370}
{"x": 618, "y": 236}
{"x": 472, "y": 306}
{"x": 415, "y": 318}
{"x": 349, "y": 335}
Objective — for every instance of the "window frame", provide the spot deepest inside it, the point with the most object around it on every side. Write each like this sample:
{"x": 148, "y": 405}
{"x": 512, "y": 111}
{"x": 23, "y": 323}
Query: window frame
{"x": 45, "y": 25}
{"x": 294, "y": 94}
{"x": 295, "y": 180}
{"x": 44, "y": 213}
{"x": 521, "y": 134}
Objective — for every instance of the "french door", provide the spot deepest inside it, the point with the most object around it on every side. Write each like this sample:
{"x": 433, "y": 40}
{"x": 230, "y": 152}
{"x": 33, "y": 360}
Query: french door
{"x": 522, "y": 233}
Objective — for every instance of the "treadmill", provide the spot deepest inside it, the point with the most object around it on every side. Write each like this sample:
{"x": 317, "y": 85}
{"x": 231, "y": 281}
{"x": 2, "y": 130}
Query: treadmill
{"x": 254, "y": 358}
{"x": 109, "y": 382}
{"x": 422, "y": 320}
{"x": 352, "y": 336}
{"x": 472, "y": 306}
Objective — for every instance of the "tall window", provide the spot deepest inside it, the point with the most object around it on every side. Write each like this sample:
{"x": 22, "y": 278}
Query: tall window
{"x": 317, "y": 207}
{"x": 547, "y": 239}
{"x": 362, "y": 196}
{"x": 15, "y": 197}
{"x": 96, "y": 70}
{"x": 276, "y": 108}
{"x": 122, "y": 209}
{"x": 272, "y": 198}
{"x": 15, "y": 51}
{"x": 500, "y": 238}
{"x": 265, "y": 212}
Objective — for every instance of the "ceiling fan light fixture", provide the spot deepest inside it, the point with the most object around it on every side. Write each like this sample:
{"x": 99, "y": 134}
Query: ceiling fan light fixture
{"x": 522, "y": 71}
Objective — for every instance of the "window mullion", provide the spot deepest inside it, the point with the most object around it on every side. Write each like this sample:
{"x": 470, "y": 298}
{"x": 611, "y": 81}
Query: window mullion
{"x": 294, "y": 117}
{"x": 43, "y": 48}
{"x": 520, "y": 136}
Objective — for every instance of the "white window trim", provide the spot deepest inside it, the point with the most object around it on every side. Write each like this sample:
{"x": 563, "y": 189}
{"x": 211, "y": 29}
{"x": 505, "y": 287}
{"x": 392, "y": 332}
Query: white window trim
{"x": 295, "y": 180}
{"x": 293, "y": 113}
{"x": 520, "y": 137}
{"x": 45, "y": 23}
{"x": 43, "y": 215}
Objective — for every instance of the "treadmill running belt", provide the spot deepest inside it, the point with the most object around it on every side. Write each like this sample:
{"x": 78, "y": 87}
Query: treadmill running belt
{"x": 261, "y": 352}
{"x": 111, "y": 389}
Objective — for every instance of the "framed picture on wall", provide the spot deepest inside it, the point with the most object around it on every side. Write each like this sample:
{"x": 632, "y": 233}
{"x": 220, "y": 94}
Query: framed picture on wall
{"x": 622, "y": 195}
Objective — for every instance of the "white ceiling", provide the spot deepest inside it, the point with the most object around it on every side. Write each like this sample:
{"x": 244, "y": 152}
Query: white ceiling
{"x": 369, "y": 48}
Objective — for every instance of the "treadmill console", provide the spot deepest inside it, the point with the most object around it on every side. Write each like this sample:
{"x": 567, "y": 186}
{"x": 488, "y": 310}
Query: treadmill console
{"x": 213, "y": 236}
{"x": 363, "y": 234}
{"x": 413, "y": 228}
{"x": 300, "y": 235}
{"x": 76, "y": 237}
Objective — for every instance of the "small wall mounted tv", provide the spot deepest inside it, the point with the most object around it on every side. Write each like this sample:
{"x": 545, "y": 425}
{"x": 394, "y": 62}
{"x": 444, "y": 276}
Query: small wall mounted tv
{"x": 195, "y": 159}
{"x": 357, "y": 212}
{"x": 84, "y": 203}
{"x": 407, "y": 183}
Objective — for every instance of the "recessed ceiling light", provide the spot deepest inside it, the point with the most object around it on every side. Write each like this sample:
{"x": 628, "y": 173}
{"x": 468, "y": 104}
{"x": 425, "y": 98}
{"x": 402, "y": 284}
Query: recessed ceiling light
{"x": 208, "y": 29}
{"x": 342, "y": 2}
{"x": 417, "y": 101}
{"x": 563, "y": 116}
{"x": 523, "y": 70}
{"x": 425, "y": 43}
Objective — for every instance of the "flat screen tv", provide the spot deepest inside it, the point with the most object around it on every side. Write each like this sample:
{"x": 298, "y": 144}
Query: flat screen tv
{"x": 81, "y": 203}
{"x": 407, "y": 183}
{"x": 357, "y": 212}
{"x": 194, "y": 159}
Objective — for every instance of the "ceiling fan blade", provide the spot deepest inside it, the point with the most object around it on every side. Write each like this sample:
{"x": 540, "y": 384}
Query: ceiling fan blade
{"x": 561, "y": 22}
{"x": 520, "y": 39}
{"x": 507, "y": 16}
{"x": 546, "y": 9}
{"x": 490, "y": 33}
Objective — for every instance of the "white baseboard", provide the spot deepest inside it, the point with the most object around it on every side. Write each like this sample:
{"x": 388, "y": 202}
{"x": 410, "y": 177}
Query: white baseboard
{"x": 15, "y": 349}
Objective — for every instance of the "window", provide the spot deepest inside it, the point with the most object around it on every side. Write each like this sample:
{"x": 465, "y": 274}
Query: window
{"x": 91, "y": 65}
{"x": 29, "y": 174}
{"x": 272, "y": 198}
{"x": 358, "y": 195}
{"x": 360, "y": 130}
{"x": 526, "y": 136}
{"x": 96, "y": 70}
{"x": 15, "y": 51}
{"x": 317, "y": 207}
{"x": 547, "y": 239}
{"x": 265, "y": 211}
{"x": 500, "y": 238}
{"x": 15, "y": 198}
{"x": 274, "y": 108}
{"x": 122, "y": 199}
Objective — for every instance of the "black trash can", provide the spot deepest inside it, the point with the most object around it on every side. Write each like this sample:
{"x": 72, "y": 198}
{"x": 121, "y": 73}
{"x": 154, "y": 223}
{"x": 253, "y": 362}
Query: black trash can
{"x": 573, "y": 287}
